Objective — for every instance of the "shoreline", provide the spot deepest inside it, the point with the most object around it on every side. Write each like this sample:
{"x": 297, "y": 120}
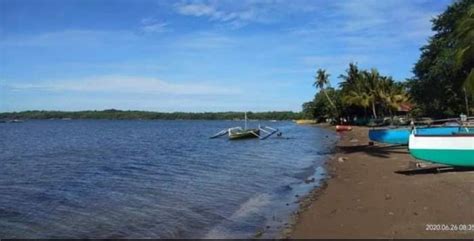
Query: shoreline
{"x": 312, "y": 196}
{"x": 364, "y": 196}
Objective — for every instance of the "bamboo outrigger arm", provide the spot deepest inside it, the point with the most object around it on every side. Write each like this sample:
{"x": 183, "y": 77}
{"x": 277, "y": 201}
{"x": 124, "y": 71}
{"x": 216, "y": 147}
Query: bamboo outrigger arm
{"x": 219, "y": 134}
{"x": 268, "y": 130}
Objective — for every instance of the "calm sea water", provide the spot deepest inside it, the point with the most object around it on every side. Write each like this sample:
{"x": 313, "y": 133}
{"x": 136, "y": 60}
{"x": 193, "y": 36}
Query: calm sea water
{"x": 152, "y": 179}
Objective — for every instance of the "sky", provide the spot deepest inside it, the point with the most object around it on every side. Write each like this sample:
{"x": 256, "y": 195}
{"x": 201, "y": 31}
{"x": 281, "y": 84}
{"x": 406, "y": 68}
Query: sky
{"x": 195, "y": 56}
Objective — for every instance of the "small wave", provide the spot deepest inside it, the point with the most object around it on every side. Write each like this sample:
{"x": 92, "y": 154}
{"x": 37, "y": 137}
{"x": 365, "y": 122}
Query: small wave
{"x": 252, "y": 207}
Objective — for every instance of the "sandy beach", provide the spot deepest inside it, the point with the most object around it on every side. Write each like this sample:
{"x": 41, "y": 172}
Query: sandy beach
{"x": 367, "y": 196}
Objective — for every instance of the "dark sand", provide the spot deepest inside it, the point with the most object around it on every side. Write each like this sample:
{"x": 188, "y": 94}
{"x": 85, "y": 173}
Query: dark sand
{"x": 366, "y": 198}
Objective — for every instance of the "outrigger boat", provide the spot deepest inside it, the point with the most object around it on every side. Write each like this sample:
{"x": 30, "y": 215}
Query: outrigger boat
{"x": 455, "y": 149}
{"x": 236, "y": 133}
{"x": 240, "y": 133}
{"x": 401, "y": 135}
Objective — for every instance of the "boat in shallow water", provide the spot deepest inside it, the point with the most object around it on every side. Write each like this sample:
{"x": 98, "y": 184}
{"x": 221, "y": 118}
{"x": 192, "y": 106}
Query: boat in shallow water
{"x": 240, "y": 133}
{"x": 401, "y": 135}
{"x": 456, "y": 149}
{"x": 237, "y": 133}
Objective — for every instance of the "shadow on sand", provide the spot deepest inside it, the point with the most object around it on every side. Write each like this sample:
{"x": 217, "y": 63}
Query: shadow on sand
{"x": 434, "y": 170}
{"x": 373, "y": 150}
{"x": 386, "y": 150}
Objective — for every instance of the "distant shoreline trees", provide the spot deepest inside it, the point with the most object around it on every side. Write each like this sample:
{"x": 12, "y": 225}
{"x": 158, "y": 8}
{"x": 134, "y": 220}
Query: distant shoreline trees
{"x": 113, "y": 114}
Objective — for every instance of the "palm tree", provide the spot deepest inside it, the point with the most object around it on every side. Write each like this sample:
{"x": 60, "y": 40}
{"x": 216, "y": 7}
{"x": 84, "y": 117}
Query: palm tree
{"x": 320, "y": 82}
{"x": 369, "y": 89}
{"x": 353, "y": 74}
{"x": 354, "y": 88}
{"x": 357, "y": 98}
{"x": 372, "y": 84}
{"x": 392, "y": 94}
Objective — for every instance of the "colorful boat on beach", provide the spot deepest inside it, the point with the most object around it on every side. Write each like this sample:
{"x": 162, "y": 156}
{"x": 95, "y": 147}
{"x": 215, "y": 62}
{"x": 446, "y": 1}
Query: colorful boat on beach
{"x": 340, "y": 128}
{"x": 401, "y": 135}
{"x": 454, "y": 150}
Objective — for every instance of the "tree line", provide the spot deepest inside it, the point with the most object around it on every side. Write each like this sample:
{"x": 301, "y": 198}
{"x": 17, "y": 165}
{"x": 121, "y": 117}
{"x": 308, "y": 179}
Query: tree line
{"x": 363, "y": 93}
{"x": 113, "y": 114}
{"x": 442, "y": 85}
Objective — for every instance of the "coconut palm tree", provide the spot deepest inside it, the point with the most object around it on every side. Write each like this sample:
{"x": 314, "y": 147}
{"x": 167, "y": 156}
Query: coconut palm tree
{"x": 321, "y": 80}
{"x": 392, "y": 94}
{"x": 354, "y": 88}
{"x": 353, "y": 74}
{"x": 357, "y": 98}
{"x": 372, "y": 85}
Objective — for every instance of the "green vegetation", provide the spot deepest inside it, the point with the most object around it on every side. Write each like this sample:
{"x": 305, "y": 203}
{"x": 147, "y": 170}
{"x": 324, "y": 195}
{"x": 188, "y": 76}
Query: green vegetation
{"x": 322, "y": 80}
{"x": 441, "y": 73}
{"x": 442, "y": 86}
{"x": 146, "y": 115}
{"x": 360, "y": 92}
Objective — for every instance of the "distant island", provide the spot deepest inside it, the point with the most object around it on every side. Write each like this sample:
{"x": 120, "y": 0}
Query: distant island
{"x": 113, "y": 114}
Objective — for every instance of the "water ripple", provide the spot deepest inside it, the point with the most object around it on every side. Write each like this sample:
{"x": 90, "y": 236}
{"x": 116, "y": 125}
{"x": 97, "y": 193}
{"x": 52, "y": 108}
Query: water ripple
{"x": 151, "y": 179}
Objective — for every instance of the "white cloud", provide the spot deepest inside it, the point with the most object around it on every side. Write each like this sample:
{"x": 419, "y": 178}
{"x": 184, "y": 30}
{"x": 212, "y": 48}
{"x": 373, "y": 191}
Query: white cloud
{"x": 232, "y": 18}
{"x": 197, "y": 10}
{"x": 403, "y": 17}
{"x": 128, "y": 84}
{"x": 368, "y": 26}
{"x": 155, "y": 28}
{"x": 237, "y": 14}
{"x": 152, "y": 25}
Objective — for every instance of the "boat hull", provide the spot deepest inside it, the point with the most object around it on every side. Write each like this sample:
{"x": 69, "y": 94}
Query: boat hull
{"x": 401, "y": 135}
{"x": 340, "y": 128}
{"x": 452, "y": 150}
{"x": 244, "y": 134}
{"x": 390, "y": 136}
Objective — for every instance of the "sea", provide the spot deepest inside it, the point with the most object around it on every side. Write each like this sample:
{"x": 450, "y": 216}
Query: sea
{"x": 154, "y": 178}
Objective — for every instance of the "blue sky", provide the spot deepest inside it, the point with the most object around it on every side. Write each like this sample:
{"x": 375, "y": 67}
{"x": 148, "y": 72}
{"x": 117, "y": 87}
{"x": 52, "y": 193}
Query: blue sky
{"x": 197, "y": 55}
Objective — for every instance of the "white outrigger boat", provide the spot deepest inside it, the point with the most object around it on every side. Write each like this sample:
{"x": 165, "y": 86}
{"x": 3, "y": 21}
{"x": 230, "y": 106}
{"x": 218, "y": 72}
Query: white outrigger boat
{"x": 236, "y": 133}
{"x": 455, "y": 149}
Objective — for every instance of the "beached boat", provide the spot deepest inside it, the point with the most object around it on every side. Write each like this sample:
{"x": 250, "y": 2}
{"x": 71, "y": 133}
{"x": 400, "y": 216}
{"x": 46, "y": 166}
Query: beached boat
{"x": 401, "y": 135}
{"x": 340, "y": 128}
{"x": 454, "y": 150}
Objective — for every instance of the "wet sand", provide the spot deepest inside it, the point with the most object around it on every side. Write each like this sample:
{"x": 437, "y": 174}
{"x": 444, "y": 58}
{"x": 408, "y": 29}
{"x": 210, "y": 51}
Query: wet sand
{"x": 366, "y": 197}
